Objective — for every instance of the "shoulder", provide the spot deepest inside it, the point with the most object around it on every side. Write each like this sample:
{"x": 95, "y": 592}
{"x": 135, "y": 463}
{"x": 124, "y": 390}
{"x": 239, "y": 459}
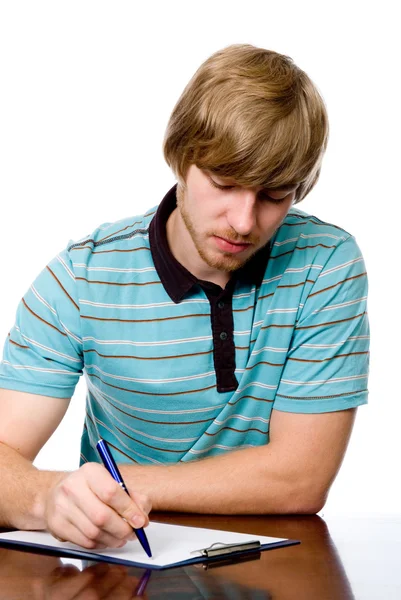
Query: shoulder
{"x": 127, "y": 234}
{"x": 307, "y": 238}
{"x": 118, "y": 231}
{"x": 305, "y": 247}
{"x": 304, "y": 224}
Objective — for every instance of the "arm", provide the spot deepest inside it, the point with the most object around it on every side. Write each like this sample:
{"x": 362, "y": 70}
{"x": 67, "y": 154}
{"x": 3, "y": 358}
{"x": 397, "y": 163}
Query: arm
{"x": 291, "y": 474}
{"x": 323, "y": 381}
{"x": 26, "y": 423}
{"x": 42, "y": 362}
{"x": 86, "y": 506}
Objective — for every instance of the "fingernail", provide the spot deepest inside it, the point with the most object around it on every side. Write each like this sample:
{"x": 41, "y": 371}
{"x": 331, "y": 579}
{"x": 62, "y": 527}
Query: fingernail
{"x": 137, "y": 521}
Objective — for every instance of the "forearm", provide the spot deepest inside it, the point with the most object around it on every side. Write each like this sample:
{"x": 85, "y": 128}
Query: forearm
{"x": 248, "y": 481}
{"x": 23, "y": 491}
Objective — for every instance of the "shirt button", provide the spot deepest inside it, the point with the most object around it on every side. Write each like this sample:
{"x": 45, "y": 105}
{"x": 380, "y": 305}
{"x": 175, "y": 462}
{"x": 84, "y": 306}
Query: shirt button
{"x": 220, "y": 304}
{"x": 223, "y": 335}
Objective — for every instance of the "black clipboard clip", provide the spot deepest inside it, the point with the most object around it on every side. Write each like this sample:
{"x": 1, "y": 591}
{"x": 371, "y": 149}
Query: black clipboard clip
{"x": 219, "y": 554}
{"x": 218, "y": 549}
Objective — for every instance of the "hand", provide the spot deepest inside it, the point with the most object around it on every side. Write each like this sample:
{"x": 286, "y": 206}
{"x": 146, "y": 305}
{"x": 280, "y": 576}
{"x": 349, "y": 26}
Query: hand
{"x": 89, "y": 508}
{"x": 34, "y": 576}
{"x": 95, "y": 582}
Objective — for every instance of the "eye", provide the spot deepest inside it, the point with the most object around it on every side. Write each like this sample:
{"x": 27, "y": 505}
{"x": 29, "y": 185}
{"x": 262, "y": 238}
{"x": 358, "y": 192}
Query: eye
{"x": 221, "y": 187}
{"x": 262, "y": 195}
{"x": 265, "y": 196}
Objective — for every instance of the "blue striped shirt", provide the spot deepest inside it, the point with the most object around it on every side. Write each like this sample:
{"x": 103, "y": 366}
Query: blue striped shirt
{"x": 99, "y": 308}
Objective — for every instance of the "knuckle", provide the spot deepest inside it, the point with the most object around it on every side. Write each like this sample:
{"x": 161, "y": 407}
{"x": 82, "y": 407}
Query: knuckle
{"x": 92, "y": 532}
{"x": 100, "y": 518}
{"x": 88, "y": 466}
{"x": 65, "y": 487}
{"x": 58, "y": 506}
{"x": 110, "y": 491}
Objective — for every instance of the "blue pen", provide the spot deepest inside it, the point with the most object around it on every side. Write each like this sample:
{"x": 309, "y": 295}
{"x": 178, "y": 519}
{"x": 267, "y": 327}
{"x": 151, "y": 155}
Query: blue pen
{"x": 112, "y": 468}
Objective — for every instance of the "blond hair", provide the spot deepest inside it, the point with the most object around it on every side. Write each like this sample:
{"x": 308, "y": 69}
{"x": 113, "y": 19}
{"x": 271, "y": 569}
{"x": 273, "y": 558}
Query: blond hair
{"x": 251, "y": 115}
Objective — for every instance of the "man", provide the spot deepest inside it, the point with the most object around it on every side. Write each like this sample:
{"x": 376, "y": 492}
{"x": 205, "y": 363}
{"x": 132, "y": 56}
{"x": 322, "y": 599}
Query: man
{"x": 223, "y": 335}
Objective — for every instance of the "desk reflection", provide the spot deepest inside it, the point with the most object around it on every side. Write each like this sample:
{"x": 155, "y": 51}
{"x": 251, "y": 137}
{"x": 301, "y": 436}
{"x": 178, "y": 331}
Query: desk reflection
{"x": 310, "y": 570}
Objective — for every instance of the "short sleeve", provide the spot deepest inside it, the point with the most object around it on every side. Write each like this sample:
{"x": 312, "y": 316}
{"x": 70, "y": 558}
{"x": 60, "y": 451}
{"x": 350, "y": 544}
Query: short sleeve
{"x": 327, "y": 364}
{"x": 43, "y": 351}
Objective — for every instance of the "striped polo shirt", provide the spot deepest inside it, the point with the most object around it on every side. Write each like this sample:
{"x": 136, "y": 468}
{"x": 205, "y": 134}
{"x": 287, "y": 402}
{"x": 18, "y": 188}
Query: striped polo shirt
{"x": 178, "y": 369}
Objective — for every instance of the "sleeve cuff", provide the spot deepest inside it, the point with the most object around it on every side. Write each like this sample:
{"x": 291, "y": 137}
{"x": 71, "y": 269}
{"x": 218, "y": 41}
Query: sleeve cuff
{"x": 320, "y": 405}
{"x": 33, "y": 388}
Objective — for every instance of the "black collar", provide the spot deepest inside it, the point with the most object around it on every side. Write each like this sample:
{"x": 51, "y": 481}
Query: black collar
{"x": 176, "y": 279}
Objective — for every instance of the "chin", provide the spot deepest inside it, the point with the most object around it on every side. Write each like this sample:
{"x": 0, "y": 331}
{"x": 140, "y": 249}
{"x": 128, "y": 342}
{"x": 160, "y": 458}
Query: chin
{"x": 226, "y": 264}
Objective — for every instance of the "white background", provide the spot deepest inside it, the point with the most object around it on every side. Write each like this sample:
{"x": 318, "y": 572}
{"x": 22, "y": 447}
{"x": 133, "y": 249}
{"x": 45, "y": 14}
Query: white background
{"x": 86, "y": 91}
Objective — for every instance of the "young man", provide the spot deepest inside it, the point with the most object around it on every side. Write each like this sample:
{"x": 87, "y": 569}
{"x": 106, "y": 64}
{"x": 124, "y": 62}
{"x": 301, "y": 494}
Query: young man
{"x": 223, "y": 335}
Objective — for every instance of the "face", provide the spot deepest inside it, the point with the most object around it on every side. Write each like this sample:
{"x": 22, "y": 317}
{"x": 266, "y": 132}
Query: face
{"x": 228, "y": 223}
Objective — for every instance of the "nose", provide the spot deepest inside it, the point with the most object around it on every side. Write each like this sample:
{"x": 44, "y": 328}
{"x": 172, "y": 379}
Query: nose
{"x": 241, "y": 215}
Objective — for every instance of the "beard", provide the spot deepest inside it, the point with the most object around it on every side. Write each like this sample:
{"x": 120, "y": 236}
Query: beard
{"x": 223, "y": 261}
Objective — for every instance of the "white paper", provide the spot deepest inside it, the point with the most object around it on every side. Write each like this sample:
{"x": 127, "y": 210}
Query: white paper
{"x": 170, "y": 544}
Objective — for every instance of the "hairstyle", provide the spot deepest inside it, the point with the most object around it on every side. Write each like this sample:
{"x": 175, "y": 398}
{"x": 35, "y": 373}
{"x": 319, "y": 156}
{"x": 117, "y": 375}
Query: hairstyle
{"x": 251, "y": 115}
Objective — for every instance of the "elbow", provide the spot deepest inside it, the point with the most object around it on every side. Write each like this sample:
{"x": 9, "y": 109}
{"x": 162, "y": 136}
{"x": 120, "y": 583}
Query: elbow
{"x": 307, "y": 507}
{"x": 305, "y": 500}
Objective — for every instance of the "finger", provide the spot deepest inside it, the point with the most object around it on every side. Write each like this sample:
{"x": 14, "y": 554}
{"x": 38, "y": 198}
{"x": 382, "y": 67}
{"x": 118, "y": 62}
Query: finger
{"x": 143, "y": 501}
{"x": 91, "y": 491}
{"x": 71, "y": 533}
{"x": 110, "y": 493}
{"x": 94, "y": 532}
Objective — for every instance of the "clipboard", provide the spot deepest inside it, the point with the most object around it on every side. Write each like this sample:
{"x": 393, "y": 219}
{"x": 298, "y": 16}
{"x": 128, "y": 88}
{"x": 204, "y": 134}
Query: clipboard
{"x": 172, "y": 546}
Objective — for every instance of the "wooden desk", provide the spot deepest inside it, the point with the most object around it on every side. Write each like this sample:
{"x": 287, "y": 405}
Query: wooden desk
{"x": 339, "y": 559}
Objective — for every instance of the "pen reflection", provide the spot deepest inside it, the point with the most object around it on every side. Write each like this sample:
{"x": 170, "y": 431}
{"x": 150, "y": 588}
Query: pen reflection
{"x": 310, "y": 570}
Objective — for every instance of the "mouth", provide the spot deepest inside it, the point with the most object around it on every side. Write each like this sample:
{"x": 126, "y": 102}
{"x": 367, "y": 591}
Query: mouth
{"x": 231, "y": 247}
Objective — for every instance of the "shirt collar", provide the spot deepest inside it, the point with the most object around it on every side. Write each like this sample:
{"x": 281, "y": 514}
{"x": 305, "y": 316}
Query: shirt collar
{"x": 176, "y": 279}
